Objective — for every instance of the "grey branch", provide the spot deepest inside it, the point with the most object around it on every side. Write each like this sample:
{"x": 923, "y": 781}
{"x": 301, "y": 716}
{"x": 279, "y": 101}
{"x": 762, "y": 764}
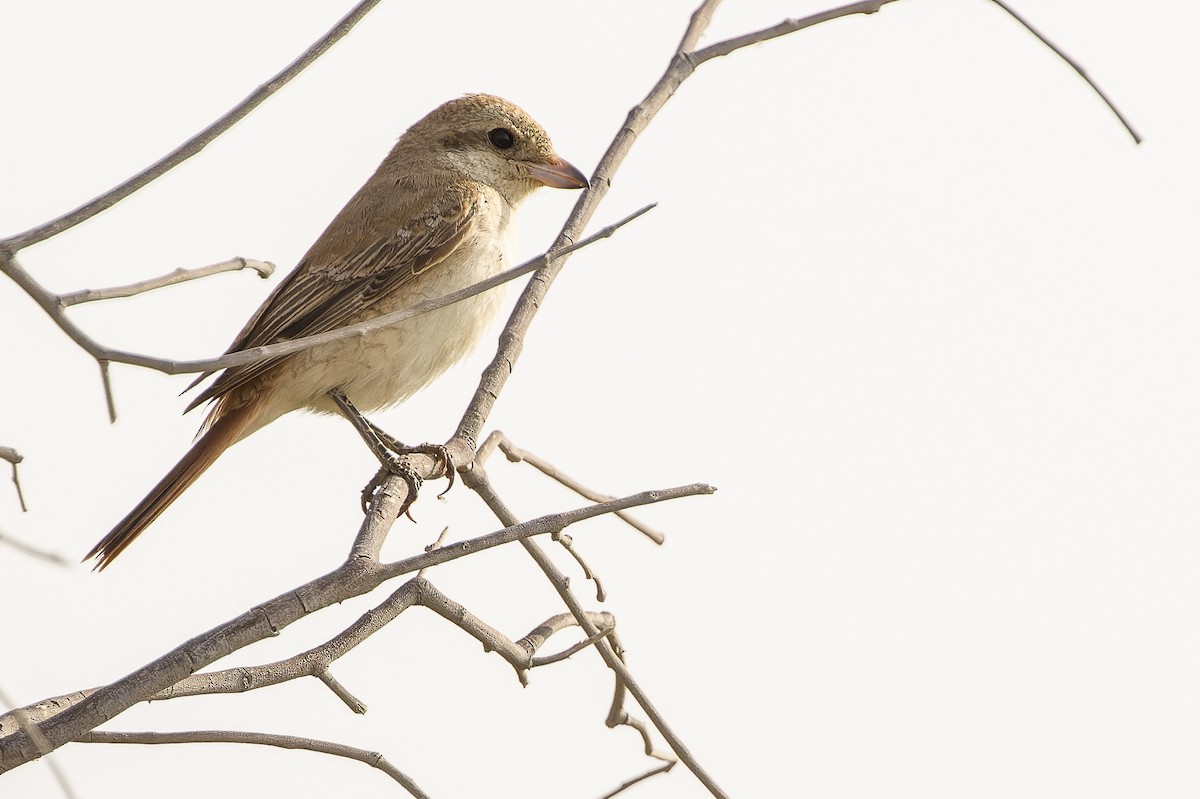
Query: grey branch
{"x": 515, "y": 454}
{"x": 53, "y": 306}
{"x": 372, "y": 759}
{"x": 663, "y": 769}
{"x": 24, "y": 720}
{"x": 606, "y": 646}
{"x": 66, "y": 720}
{"x": 264, "y": 269}
{"x": 195, "y": 144}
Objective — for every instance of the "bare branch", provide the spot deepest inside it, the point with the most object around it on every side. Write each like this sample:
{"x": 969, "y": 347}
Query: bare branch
{"x": 663, "y": 769}
{"x": 264, "y": 269}
{"x": 357, "y": 576}
{"x": 342, "y": 693}
{"x": 477, "y": 480}
{"x": 566, "y": 542}
{"x": 441, "y": 539}
{"x": 1075, "y": 66}
{"x": 106, "y": 381}
{"x": 680, "y": 68}
{"x": 539, "y": 526}
{"x": 25, "y": 721}
{"x": 372, "y": 759}
{"x": 784, "y": 28}
{"x": 194, "y": 144}
{"x": 516, "y": 455}
{"x": 697, "y": 25}
{"x": 573, "y": 648}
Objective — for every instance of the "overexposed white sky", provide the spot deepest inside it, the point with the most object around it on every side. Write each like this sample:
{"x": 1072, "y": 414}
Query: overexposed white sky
{"x": 912, "y": 300}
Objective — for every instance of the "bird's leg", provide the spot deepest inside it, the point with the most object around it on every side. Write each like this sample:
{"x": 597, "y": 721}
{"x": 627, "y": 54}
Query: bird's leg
{"x": 390, "y": 452}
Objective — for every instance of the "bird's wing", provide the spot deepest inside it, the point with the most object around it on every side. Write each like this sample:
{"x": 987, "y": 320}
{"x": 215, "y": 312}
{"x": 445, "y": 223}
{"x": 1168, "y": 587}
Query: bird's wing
{"x": 379, "y": 247}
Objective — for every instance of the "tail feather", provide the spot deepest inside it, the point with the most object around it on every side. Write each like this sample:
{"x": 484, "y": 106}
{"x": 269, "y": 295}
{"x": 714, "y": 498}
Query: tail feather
{"x": 222, "y": 432}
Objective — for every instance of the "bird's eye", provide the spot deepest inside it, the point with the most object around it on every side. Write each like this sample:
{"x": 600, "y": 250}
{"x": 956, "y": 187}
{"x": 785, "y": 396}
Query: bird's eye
{"x": 501, "y": 138}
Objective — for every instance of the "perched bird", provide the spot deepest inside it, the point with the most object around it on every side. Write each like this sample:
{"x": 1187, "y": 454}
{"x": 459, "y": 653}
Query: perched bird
{"x": 435, "y": 217}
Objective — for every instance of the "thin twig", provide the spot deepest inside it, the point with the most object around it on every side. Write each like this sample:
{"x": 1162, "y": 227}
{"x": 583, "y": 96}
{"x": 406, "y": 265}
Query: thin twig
{"x": 342, "y": 692}
{"x": 194, "y": 144}
{"x": 681, "y": 66}
{"x": 372, "y": 759}
{"x": 663, "y": 769}
{"x": 13, "y": 457}
{"x": 571, "y": 650}
{"x": 435, "y": 545}
{"x": 110, "y": 401}
{"x": 477, "y": 480}
{"x": 264, "y": 269}
{"x": 50, "y": 304}
{"x": 542, "y": 525}
{"x": 785, "y": 27}
{"x": 568, "y": 543}
{"x": 517, "y": 455}
{"x": 77, "y": 714}
{"x": 1075, "y": 66}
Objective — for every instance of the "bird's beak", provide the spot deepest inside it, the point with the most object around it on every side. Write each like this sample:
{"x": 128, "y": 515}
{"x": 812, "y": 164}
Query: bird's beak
{"x": 557, "y": 174}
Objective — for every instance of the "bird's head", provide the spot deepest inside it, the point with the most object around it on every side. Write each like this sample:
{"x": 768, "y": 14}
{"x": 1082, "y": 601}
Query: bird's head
{"x": 491, "y": 141}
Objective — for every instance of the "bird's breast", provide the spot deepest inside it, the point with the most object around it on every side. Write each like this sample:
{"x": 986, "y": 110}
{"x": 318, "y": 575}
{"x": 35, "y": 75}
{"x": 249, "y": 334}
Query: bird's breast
{"x": 388, "y": 366}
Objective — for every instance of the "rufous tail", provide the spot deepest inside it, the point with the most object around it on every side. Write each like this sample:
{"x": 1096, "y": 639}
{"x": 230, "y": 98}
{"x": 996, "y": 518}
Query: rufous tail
{"x": 223, "y": 432}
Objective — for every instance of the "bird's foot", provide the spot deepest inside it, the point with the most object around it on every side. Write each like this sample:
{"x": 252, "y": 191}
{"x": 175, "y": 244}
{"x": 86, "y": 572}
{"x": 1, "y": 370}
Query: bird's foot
{"x": 398, "y": 464}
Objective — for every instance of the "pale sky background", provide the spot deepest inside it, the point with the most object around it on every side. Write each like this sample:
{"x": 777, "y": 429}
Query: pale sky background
{"x": 911, "y": 299}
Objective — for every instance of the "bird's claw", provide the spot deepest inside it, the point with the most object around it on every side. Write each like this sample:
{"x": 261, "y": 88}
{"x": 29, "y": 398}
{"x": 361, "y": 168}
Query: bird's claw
{"x": 399, "y": 465}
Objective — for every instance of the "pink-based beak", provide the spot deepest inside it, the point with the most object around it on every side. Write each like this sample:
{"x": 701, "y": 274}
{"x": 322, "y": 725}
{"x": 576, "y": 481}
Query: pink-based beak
{"x": 557, "y": 174}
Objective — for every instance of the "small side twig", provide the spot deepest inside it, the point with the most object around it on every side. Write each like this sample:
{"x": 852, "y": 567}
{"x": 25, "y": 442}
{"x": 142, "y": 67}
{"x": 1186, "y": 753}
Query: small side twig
{"x": 342, "y": 693}
{"x": 568, "y": 543}
{"x": 51, "y": 304}
{"x": 13, "y": 457}
{"x": 517, "y": 455}
{"x": 663, "y": 769}
{"x": 372, "y": 759}
{"x": 264, "y": 269}
{"x": 106, "y": 381}
{"x": 1024, "y": 23}
{"x": 606, "y": 647}
{"x": 571, "y": 650}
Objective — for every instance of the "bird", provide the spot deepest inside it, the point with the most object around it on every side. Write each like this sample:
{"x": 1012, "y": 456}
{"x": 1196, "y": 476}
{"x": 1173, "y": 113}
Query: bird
{"x": 435, "y": 217}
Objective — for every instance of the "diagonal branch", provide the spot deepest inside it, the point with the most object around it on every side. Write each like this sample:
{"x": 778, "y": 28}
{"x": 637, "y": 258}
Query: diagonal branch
{"x": 477, "y": 480}
{"x": 52, "y": 304}
{"x": 194, "y": 144}
{"x": 681, "y": 67}
{"x": 1074, "y": 65}
{"x": 357, "y": 576}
